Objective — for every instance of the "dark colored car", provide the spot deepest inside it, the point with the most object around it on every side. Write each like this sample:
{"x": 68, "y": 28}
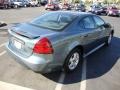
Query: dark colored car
{"x": 98, "y": 10}
{"x": 80, "y": 7}
{"x": 43, "y": 2}
{"x": 6, "y": 4}
{"x": 2, "y": 24}
{"x": 52, "y": 6}
{"x": 113, "y": 11}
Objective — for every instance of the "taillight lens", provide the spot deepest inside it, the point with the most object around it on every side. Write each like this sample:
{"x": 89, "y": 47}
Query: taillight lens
{"x": 43, "y": 46}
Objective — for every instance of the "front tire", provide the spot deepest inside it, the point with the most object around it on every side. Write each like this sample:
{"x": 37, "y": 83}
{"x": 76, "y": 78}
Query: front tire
{"x": 72, "y": 61}
{"x": 108, "y": 42}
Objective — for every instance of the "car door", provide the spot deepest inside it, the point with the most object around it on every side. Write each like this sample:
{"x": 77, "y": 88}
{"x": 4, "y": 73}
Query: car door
{"x": 103, "y": 31}
{"x": 89, "y": 33}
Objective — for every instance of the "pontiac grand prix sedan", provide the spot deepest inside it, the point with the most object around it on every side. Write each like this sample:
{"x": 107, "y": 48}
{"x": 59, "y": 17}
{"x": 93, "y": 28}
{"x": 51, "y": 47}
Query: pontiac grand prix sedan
{"x": 58, "y": 40}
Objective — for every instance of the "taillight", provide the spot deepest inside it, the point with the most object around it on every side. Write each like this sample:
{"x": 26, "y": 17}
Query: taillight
{"x": 43, "y": 46}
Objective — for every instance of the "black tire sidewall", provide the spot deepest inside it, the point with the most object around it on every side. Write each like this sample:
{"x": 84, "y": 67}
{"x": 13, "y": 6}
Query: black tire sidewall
{"x": 106, "y": 43}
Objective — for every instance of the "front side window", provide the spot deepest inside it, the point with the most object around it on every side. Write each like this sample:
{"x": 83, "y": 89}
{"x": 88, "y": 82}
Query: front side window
{"x": 98, "y": 21}
{"x": 54, "y": 21}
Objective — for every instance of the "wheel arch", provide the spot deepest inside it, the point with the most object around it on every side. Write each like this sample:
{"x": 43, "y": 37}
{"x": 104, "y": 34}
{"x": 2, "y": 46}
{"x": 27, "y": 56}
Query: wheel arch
{"x": 75, "y": 45}
{"x": 80, "y": 47}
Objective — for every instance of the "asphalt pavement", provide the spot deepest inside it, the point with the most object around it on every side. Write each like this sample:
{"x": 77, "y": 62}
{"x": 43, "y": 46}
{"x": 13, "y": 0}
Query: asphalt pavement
{"x": 99, "y": 71}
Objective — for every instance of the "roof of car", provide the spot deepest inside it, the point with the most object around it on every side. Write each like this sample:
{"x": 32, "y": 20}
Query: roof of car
{"x": 74, "y": 13}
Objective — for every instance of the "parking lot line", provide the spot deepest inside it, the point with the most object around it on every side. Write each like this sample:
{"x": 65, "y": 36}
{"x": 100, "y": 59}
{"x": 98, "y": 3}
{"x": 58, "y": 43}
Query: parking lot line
{"x": 83, "y": 78}
{"x": 8, "y": 86}
{"x": 84, "y": 70}
{"x": 2, "y": 53}
{"x": 93, "y": 50}
{"x": 1, "y": 45}
{"x": 60, "y": 81}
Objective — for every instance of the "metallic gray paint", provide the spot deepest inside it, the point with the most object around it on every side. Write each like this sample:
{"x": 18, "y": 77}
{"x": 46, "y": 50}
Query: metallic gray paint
{"x": 62, "y": 42}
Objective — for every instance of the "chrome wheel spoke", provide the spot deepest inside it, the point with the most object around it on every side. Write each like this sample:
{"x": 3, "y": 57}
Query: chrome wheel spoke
{"x": 74, "y": 60}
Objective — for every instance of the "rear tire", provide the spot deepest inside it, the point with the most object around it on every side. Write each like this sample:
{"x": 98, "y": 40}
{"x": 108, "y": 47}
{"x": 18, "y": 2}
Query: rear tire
{"x": 72, "y": 61}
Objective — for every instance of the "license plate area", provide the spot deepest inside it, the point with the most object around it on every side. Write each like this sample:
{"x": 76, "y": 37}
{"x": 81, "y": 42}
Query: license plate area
{"x": 18, "y": 44}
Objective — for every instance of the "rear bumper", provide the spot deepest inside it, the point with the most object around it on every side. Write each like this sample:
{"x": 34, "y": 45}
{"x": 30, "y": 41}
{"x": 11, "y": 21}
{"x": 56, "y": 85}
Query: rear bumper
{"x": 35, "y": 63}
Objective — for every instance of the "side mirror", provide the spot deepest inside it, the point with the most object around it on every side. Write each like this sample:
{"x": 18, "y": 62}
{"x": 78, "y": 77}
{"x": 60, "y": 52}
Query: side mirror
{"x": 107, "y": 25}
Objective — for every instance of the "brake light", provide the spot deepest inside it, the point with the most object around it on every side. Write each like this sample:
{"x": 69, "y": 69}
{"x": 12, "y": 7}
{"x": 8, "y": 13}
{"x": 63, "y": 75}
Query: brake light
{"x": 43, "y": 46}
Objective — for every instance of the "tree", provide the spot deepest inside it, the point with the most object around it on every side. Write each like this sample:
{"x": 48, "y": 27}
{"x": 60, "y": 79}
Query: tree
{"x": 77, "y": 1}
{"x": 105, "y": 1}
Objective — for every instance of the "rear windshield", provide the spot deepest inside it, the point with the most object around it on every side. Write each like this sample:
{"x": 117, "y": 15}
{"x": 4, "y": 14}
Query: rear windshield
{"x": 54, "y": 21}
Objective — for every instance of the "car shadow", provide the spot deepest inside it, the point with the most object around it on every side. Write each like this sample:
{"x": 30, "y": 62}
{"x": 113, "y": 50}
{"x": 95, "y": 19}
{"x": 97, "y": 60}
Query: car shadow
{"x": 103, "y": 60}
{"x": 98, "y": 64}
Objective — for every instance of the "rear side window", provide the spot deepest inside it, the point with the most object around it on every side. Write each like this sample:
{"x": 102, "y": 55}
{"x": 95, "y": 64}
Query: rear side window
{"x": 87, "y": 23}
{"x": 98, "y": 21}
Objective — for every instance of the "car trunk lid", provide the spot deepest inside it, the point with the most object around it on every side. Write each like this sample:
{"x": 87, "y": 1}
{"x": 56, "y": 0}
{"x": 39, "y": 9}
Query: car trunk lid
{"x": 23, "y": 37}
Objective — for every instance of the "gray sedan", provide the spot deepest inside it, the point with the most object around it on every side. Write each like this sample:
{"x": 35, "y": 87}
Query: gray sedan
{"x": 58, "y": 40}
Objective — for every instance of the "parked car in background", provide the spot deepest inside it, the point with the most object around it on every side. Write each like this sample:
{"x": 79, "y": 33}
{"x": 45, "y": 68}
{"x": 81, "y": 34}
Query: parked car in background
{"x": 65, "y": 6}
{"x": 43, "y": 2}
{"x": 25, "y": 3}
{"x": 6, "y": 4}
{"x": 17, "y": 3}
{"x": 52, "y": 6}
{"x": 34, "y": 3}
{"x": 13, "y": 3}
{"x": 58, "y": 40}
{"x": 80, "y": 7}
{"x": 98, "y": 10}
{"x": 113, "y": 11}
